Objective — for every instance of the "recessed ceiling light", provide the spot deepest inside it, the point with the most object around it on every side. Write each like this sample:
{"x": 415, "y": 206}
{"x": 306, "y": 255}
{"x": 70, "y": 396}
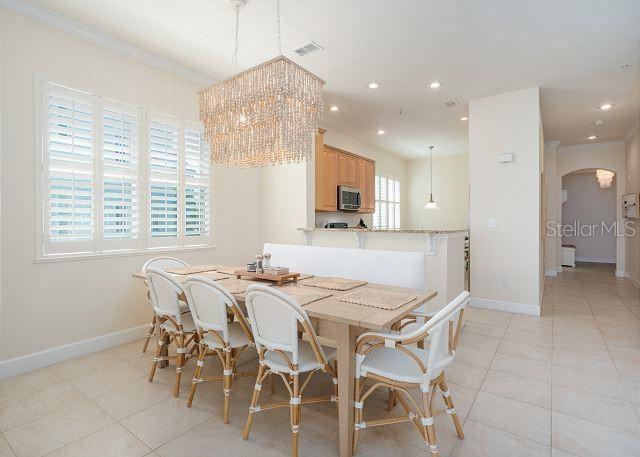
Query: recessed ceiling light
{"x": 373, "y": 85}
{"x": 381, "y": 132}
{"x": 593, "y": 137}
{"x": 334, "y": 108}
{"x": 599, "y": 122}
{"x": 606, "y": 106}
{"x": 435, "y": 84}
{"x": 464, "y": 118}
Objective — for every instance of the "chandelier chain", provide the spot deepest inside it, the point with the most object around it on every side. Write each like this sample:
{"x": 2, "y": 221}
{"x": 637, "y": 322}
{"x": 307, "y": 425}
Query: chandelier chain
{"x": 235, "y": 50}
{"x": 279, "y": 32}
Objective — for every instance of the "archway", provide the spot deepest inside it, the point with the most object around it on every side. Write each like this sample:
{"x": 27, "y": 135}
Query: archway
{"x": 589, "y": 215}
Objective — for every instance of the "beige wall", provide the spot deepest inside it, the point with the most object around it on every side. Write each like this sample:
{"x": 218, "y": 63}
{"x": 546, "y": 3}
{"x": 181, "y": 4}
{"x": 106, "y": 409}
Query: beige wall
{"x": 610, "y": 156}
{"x": 632, "y": 158}
{"x": 66, "y": 301}
{"x": 505, "y": 260}
{"x": 450, "y": 191}
{"x": 589, "y": 204}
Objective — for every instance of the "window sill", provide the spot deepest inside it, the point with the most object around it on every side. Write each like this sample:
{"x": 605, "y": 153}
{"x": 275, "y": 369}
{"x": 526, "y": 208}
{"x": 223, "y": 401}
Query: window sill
{"x": 124, "y": 253}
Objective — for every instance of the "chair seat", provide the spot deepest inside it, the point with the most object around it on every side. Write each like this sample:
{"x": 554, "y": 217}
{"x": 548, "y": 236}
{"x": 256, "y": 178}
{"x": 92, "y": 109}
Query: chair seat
{"x": 187, "y": 324}
{"x": 237, "y": 337}
{"x": 306, "y": 358}
{"x": 395, "y": 364}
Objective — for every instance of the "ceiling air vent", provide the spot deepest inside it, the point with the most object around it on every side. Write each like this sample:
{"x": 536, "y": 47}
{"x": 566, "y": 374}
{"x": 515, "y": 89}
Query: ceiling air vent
{"x": 307, "y": 49}
{"x": 451, "y": 103}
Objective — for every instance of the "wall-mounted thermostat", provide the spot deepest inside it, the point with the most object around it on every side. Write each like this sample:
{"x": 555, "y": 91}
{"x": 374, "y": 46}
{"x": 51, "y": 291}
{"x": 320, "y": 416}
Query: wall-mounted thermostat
{"x": 505, "y": 158}
{"x": 630, "y": 205}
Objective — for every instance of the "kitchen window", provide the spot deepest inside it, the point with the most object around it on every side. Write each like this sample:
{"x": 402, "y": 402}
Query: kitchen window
{"x": 387, "y": 211}
{"x": 119, "y": 178}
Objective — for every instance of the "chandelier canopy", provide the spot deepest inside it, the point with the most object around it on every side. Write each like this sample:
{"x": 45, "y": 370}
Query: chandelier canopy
{"x": 605, "y": 178}
{"x": 266, "y": 115}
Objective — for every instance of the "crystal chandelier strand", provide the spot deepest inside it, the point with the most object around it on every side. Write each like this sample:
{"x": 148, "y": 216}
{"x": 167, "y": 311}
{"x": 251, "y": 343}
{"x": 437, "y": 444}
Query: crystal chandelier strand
{"x": 266, "y": 115}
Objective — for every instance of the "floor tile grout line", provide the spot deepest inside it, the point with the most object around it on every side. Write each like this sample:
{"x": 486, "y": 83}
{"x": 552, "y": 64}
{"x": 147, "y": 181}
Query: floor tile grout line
{"x": 473, "y": 402}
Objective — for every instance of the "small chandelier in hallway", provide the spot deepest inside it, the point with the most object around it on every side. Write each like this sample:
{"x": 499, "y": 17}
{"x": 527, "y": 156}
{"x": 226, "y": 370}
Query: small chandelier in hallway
{"x": 605, "y": 178}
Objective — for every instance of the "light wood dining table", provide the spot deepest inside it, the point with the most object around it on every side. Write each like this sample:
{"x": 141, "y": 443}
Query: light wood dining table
{"x": 343, "y": 323}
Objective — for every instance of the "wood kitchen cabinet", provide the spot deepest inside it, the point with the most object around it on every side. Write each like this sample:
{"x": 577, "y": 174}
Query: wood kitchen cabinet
{"x": 326, "y": 176}
{"x": 335, "y": 167}
{"x": 366, "y": 184}
{"x": 347, "y": 169}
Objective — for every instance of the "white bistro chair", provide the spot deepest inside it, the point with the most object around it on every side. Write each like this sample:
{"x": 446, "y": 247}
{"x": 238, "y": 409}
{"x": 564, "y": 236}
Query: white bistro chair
{"x": 276, "y": 319}
{"x": 163, "y": 263}
{"x": 222, "y": 328}
{"x": 393, "y": 360}
{"x": 176, "y": 326}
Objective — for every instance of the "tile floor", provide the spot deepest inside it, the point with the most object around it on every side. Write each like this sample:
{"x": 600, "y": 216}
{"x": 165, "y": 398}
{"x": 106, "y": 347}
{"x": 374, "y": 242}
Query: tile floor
{"x": 563, "y": 384}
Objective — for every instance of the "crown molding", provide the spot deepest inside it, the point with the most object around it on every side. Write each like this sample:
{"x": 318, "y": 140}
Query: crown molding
{"x": 96, "y": 37}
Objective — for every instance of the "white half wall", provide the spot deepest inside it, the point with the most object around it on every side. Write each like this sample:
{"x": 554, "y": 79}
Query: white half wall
{"x": 505, "y": 203}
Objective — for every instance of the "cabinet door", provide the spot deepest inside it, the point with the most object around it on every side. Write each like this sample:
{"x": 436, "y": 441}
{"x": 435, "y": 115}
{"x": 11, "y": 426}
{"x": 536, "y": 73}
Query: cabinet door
{"x": 329, "y": 180}
{"x": 362, "y": 184}
{"x": 347, "y": 170}
{"x": 369, "y": 198}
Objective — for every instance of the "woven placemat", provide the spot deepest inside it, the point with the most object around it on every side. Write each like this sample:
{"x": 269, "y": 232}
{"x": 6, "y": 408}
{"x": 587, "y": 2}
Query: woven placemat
{"x": 326, "y": 282}
{"x": 378, "y": 298}
{"x": 207, "y": 274}
{"x": 304, "y": 295}
{"x": 236, "y": 286}
{"x": 191, "y": 269}
{"x": 229, "y": 270}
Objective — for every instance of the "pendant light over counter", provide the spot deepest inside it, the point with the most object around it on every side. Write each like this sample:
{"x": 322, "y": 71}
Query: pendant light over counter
{"x": 431, "y": 204}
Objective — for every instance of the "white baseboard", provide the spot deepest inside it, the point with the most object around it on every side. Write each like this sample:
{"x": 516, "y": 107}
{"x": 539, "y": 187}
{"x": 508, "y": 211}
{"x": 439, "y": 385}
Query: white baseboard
{"x": 634, "y": 281}
{"x": 595, "y": 259}
{"x": 498, "y": 305}
{"x": 29, "y": 362}
{"x": 620, "y": 273}
{"x": 551, "y": 273}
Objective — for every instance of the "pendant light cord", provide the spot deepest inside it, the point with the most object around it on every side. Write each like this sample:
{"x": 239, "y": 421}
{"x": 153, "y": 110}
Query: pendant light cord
{"x": 431, "y": 171}
{"x": 279, "y": 32}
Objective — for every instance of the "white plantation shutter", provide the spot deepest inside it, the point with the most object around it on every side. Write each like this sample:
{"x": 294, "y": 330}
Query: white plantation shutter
{"x": 120, "y": 176}
{"x": 197, "y": 182}
{"x": 68, "y": 171}
{"x": 164, "y": 180}
{"x": 115, "y": 179}
{"x": 387, "y": 209}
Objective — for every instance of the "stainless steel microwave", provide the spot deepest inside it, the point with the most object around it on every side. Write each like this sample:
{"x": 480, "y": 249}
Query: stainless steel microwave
{"x": 348, "y": 199}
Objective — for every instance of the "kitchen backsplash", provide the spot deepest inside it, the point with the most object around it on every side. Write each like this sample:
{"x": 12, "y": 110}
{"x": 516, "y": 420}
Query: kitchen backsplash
{"x": 340, "y": 216}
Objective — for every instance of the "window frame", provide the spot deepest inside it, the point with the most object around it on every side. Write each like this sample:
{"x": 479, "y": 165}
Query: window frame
{"x": 99, "y": 246}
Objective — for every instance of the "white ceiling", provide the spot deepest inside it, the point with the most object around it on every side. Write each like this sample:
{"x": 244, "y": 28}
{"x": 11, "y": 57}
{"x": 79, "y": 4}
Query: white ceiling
{"x": 572, "y": 49}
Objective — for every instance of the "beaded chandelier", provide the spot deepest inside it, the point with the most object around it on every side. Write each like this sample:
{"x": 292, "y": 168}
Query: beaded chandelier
{"x": 265, "y": 115}
{"x": 605, "y": 178}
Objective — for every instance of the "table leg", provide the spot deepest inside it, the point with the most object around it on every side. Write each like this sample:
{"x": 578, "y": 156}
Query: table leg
{"x": 346, "y": 373}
